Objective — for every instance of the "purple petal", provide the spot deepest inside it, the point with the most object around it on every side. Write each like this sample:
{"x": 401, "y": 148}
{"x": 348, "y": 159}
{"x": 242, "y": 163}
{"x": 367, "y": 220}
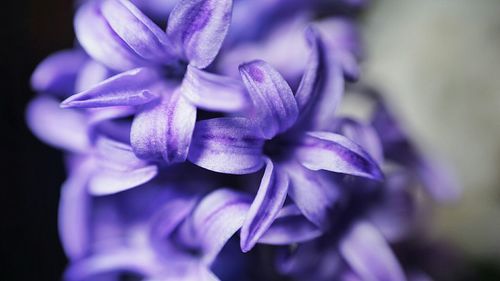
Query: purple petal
{"x": 100, "y": 41}
{"x": 366, "y": 251}
{"x": 313, "y": 193}
{"x": 91, "y": 74}
{"x": 140, "y": 33}
{"x": 437, "y": 180}
{"x": 66, "y": 129}
{"x": 57, "y": 73}
{"x": 118, "y": 168}
{"x": 290, "y": 227}
{"x": 227, "y": 145}
{"x": 113, "y": 262}
{"x": 218, "y": 216}
{"x": 134, "y": 87}
{"x": 164, "y": 130}
{"x": 213, "y": 92}
{"x": 362, "y": 134}
{"x": 275, "y": 106}
{"x": 170, "y": 216}
{"x": 336, "y": 153}
{"x": 105, "y": 182}
{"x": 394, "y": 213}
{"x": 74, "y": 211}
{"x": 265, "y": 207}
{"x": 198, "y": 28}
{"x": 311, "y": 79}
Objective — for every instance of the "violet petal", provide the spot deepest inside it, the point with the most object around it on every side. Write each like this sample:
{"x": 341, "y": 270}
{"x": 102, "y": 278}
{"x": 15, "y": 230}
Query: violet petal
{"x": 57, "y": 73}
{"x": 336, "y": 153}
{"x": 275, "y": 106}
{"x": 290, "y": 227}
{"x": 164, "y": 130}
{"x": 226, "y": 145}
{"x": 213, "y": 92}
{"x": 267, "y": 203}
{"x": 100, "y": 41}
{"x": 368, "y": 254}
{"x": 134, "y": 87}
{"x": 74, "y": 211}
{"x": 313, "y": 193}
{"x": 66, "y": 129}
{"x": 218, "y": 216}
{"x": 198, "y": 28}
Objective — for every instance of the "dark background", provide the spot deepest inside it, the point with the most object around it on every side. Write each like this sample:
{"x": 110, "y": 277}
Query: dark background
{"x": 32, "y": 172}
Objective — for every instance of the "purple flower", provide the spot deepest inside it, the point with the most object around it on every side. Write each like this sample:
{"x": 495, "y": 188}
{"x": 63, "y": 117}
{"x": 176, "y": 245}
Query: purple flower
{"x": 123, "y": 38}
{"x": 279, "y": 133}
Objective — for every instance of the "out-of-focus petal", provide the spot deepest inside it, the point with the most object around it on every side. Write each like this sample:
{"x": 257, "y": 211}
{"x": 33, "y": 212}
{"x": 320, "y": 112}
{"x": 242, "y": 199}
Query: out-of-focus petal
{"x": 57, "y": 73}
{"x": 290, "y": 227}
{"x": 336, "y": 153}
{"x": 274, "y": 104}
{"x": 362, "y": 134}
{"x": 266, "y": 205}
{"x": 315, "y": 195}
{"x": 213, "y": 92}
{"x": 438, "y": 181}
{"x": 134, "y": 87}
{"x": 91, "y": 74}
{"x": 101, "y": 42}
{"x": 198, "y": 28}
{"x": 368, "y": 254}
{"x": 164, "y": 130}
{"x": 218, "y": 216}
{"x": 105, "y": 182}
{"x": 63, "y": 128}
{"x": 115, "y": 262}
{"x": 74, "y": 211}
{"x": 311, "y": 81}
{"x": 227, "y": 145}
{"x": 140, "y": 33}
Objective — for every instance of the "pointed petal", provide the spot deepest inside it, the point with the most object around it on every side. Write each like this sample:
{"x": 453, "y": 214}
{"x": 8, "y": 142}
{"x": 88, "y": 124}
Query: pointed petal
{"x": 134, "y": 87}
{"x": 100, "y": 41}
{"x": 74, "y": 212}
{"x": 362, "y": 134}
{"x": 290, "y": 227}
{"x": 336, "y": 153}
{"x": 213, "y": 92}
{"x": 226, "y": 145}
{"x": 218, "y": 216}
{"x": 311, "y": 81}
{"x": 199, "y": 27}
{"x": 105, "y": 182}
{"x": 275, "y": 106}
{"x": 57, "y": 73}
{"x": 62, "y": 128}
{"x": 368, "y": 254}
{"x": 265, "y": 207}
{"x": 139, "y": 32}
{"x": 164, "y": 130}
{"x": 315, "y": 195}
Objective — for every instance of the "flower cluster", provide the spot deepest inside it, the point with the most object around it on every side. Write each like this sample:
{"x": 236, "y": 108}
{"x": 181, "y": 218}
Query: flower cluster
{"x": 220, "y": 128}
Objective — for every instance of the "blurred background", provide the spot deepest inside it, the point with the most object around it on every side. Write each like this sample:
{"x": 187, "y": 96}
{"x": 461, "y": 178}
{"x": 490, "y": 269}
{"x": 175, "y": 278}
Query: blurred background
{"x": 438, "y": 63}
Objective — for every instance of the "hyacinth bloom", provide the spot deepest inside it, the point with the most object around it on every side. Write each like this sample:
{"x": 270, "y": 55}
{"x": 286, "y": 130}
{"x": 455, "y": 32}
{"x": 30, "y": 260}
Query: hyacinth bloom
{"x": 154, "y": 64}
{"x": 280, "y": 134}
{"x": 182, "y": 144}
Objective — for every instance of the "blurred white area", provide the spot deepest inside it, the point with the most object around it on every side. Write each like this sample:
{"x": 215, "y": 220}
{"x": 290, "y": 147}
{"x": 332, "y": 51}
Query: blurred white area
{"x": 438, "y": 62}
